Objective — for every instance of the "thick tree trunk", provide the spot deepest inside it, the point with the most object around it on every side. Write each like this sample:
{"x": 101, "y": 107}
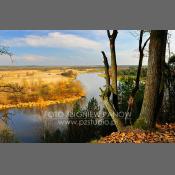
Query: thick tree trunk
{"x": 153, "y": 86}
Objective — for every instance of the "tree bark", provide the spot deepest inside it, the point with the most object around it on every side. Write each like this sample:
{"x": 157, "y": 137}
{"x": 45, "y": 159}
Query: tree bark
{"x": 105, "y": 95}
{"x": 113, "y": 113}
{"x": 153, "y": 88}
{"x": 107, "y": 76}
{"x": 112, "y": 38}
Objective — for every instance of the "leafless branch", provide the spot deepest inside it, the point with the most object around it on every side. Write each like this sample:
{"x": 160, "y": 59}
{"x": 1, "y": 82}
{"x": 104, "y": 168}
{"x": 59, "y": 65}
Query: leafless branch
{"x": 5, "y": 51}
{"x": 113, "y": 36}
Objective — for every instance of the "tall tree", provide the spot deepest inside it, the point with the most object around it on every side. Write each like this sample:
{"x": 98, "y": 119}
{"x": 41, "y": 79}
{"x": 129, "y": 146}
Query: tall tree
{"x": 142, "y": 45}
{"x": 153, "y": 88}
{"x": 112, "y": 38}
{"x": 111, "y": 86}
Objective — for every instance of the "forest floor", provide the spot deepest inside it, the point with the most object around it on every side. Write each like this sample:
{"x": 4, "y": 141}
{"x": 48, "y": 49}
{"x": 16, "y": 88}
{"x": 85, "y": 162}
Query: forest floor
{"x": 163, "y": 134}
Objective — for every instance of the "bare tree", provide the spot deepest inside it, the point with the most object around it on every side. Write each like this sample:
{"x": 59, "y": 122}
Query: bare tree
{"x": 9, "y": 88}
{"x": 5, "y": 51}
{"x": 111, "y": 89}
{"x": 112, "y": 38}
{"x": 142, "y": 45}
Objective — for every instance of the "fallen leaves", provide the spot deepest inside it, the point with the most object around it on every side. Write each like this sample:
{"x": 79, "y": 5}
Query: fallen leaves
{"x": 162, "y": 134}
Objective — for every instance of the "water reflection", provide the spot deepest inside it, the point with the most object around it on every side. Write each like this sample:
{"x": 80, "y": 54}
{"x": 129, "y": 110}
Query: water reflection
{"x": 83, "y": 124}
{"x": 6, "y": 135}
{"x": 36, "y": 125}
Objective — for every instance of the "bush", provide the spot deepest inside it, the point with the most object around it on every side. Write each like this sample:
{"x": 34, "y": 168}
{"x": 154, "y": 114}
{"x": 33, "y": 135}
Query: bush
{"x": 69, "y": 73}
{"x": 126, "y": 86}
{"x": 6, "y": 136}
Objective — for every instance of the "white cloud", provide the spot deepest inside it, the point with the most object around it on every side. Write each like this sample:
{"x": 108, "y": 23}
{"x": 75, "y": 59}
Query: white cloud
{"x": 100, "y": 33}
{"x": 27, "y": 59}
{"x": 5, "y": 60}
{"x": 54, "y": 40}
{"x": 126, "y": 48}
{"x": 172, "y": 40}
{"x": 32, "y": 58}
{"x": 129, "y": 57}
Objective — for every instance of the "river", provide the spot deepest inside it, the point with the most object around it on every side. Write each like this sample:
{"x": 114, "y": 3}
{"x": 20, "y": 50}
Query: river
{"x": 29, "y": 124}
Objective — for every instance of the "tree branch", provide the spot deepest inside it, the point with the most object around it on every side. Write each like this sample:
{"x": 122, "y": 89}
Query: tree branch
{"x": 114, "y": 35}
{"x": 5, "y": 51}
{"x": 140, "y": 40}
{"x": 145, "y": 43}
{"x": 112, "y": 112}
{"x": 108, "y": 33}
{"x": 131, "y": 99}
{"x": 107, "y": 76}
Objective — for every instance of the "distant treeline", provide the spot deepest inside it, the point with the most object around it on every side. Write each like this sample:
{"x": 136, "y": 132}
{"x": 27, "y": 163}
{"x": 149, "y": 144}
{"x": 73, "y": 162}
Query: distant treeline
{"x": 32, "y": 67}
{"x": 45, "y": 68}
{"x": 132, "y": 71}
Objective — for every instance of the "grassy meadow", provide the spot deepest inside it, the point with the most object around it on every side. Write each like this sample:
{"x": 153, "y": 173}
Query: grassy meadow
{"x": 39, "y": 86}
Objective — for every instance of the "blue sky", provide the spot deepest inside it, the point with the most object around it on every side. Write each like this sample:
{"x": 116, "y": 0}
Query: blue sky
{"x": 66, "y": 47}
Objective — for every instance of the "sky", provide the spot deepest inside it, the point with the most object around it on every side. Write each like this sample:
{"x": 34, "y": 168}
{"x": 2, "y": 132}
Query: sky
{"x": 68, "y": 47}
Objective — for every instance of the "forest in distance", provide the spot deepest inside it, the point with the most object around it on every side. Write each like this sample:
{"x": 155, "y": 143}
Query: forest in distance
{"x": 116, "y": 86}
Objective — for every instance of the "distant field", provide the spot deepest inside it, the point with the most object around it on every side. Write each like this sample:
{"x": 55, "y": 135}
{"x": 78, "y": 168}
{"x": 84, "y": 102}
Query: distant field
{"x": 46, "y": 68}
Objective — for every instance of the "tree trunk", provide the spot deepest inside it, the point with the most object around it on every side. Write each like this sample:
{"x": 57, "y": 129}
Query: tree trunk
{"x": 112, "y": 38}
{"x": 157, "y": 49}
{"x": 131, "y": 100}
{"x": 105, "y": 95}
{"x": 113, "y": 113}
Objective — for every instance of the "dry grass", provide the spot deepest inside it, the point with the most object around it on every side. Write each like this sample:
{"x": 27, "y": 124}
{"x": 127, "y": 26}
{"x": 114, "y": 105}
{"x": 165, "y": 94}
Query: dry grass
{"x": 39, "y": 87}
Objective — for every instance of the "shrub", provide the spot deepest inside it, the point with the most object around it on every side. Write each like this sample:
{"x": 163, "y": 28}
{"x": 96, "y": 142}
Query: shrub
{"x": 69, "y": 73}
{"x": 6, "y": 136}
{"x": 126, "y": 86}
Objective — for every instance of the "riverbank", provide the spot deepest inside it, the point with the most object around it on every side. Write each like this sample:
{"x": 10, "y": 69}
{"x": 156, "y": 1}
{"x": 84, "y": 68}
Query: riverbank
{"x": 40, "y": 104}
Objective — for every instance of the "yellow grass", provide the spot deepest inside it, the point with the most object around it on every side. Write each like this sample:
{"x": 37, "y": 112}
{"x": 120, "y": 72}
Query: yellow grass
{"x": 18, "y": 76}
{"x": 40, "y": 88}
